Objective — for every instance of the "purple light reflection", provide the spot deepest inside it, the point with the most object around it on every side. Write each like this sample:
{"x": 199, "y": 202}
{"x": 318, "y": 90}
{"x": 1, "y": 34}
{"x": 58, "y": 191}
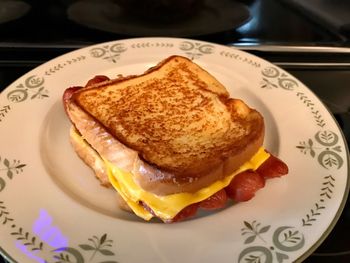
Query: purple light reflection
{"x": 48, "y": 233}
{"x": 29, "y": 253}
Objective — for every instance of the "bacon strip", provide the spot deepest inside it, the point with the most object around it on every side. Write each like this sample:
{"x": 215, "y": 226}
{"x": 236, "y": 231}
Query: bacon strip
{"x": 216, "y": 201}
{"x": 272, "y": 167}
{"x": 242, "y": 188}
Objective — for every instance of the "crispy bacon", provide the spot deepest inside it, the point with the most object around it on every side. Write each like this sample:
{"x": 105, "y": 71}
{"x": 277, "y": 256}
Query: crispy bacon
{"x": 244, "y": 186}
{"x": 68, "y": 94}
{"x": 185, "y": 213}
{"x": 216, "y": 201}
{"x": 272, "y": 167}
{"x": 96, "y": 79}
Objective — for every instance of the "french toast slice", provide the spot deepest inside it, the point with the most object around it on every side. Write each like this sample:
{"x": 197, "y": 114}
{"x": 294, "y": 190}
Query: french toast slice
{"x": 178, "y": 118}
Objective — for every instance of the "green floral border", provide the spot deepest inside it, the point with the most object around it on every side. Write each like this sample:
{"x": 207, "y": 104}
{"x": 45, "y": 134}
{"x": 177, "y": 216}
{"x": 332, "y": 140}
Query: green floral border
{"x": 241, "y": 58}
{"x": 4, "y": 110}
{"x": 10, "y": 169}
{"x": 195, "y": 50}
{"x": 285, "y": 239}
{"x": 60, "y": 66}
{"x": 272, "y": 77}
{"x": 95, "y": 245}
{"x": 108, "y": 52}
{"x": 325, "y": 148}
{"x": 33, "y": 87}
{"x": 152, "y": 44}
{"x": 192, "y": 49}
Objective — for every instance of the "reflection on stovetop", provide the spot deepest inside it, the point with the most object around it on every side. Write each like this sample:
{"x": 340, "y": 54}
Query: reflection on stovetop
{"x": 12, "y": 10}
{"x": 344, "y": 122}
{"x": 78, "y": 23}
{"x": 109, "y": 16}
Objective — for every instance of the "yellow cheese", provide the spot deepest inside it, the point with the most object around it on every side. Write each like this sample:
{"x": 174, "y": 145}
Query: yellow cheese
{"x": 138, "y": 209}
{"x": 166, "y": 207}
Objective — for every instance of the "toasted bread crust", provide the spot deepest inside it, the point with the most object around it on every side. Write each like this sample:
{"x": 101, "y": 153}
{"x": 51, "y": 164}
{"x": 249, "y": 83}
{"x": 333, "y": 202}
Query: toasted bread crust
{"x": 151, "y": 179}
{"x": 148, "y": 176}
{"x": 177, "y": 118}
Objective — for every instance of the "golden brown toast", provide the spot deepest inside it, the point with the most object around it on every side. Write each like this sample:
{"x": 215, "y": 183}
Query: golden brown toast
{"x": 177, "y": 116}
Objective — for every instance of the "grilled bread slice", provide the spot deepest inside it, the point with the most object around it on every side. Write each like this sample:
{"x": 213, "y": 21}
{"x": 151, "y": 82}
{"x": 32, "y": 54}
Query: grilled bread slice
{"x": 178, "y": 121}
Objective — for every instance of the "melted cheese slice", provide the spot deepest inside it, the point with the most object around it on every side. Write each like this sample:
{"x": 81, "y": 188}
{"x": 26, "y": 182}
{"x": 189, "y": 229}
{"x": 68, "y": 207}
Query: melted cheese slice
{"x": 166, "y": 207}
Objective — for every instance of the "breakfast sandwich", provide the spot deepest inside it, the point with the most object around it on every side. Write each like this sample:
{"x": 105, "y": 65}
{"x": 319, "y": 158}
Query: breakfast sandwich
{"x": 170, "y": 141}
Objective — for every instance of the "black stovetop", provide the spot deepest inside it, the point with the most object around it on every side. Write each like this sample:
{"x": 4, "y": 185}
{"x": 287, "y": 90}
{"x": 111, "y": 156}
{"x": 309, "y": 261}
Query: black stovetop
{"x": 281, "y": 31}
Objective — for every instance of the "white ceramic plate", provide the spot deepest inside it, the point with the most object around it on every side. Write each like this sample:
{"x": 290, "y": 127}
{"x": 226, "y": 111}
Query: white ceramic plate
{"x": 53, "y": 210}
